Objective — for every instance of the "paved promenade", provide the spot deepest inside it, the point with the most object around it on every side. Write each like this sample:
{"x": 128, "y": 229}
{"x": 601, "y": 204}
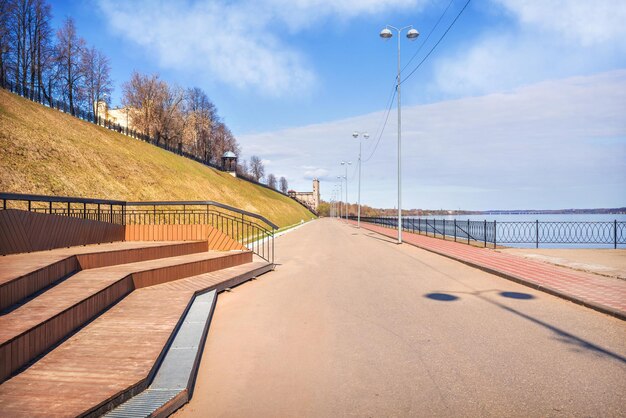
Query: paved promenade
{"x": 602, "y": 293}
{"x": 351, "y": 324}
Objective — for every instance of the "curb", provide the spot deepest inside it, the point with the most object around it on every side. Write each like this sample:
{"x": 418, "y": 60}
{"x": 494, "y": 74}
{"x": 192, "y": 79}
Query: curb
{"x": 547, "y": 289}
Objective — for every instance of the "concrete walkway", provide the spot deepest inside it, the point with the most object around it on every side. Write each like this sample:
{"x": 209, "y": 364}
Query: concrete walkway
{"x": 604, "y": 294}
{"x": 351, "y": 324}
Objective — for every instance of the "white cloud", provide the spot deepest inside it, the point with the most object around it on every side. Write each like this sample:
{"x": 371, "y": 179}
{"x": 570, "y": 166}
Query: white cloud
{"x": 548, "y": 40}
{"x": 551, "y": 144}
{"x": 237, "y": 43}
{"x": 317, "y": 173}
{"x": 586, "y": 22}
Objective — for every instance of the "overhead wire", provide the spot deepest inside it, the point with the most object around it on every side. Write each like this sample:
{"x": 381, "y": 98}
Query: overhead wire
{"x": 380, "y": 131}
{"x": 384, "y": 124}
{"x": 437, "y": 44}
{"x": 432, "y": 30}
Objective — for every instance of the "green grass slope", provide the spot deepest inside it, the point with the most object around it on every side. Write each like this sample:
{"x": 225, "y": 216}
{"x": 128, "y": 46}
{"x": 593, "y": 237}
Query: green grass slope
{"x": 44, "y": 151}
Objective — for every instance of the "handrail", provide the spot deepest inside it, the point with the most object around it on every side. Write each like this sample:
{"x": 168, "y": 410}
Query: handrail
{"x": 204, "y": 203}
{"x": 59, "y": 199}
{"x": 68, "y": 199}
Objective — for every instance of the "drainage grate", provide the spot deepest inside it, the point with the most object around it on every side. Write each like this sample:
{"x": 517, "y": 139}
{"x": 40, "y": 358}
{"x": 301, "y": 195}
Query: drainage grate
{"x": 175, "y": 374}
{"x": 143, "y": 404}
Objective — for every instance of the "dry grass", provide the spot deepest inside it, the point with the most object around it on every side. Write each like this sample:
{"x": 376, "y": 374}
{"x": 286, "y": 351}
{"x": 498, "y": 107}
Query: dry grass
{"x": 45, "y": 151}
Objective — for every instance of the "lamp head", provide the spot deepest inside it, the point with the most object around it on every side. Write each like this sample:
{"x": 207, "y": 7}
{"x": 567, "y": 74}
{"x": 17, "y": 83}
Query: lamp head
{"x": 355, "y": 134}
{"x": 386, "y": 33}
{"x": 366, "y": 135}
{"x": 412, "y": 34}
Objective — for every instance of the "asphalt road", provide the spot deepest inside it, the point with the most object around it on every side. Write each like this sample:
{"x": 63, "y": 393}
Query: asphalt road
{"x": 351, "y": 324}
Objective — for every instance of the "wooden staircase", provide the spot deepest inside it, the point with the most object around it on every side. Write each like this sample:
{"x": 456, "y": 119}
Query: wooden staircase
{"x": 84, "y": 328}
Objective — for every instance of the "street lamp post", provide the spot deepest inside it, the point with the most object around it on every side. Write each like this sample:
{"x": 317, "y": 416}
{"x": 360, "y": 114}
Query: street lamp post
{"x": 346, "y": 163}
{"x": 340, "y": 196}
{"x": 412, "y": 34}
{"x": 365, "y": 135}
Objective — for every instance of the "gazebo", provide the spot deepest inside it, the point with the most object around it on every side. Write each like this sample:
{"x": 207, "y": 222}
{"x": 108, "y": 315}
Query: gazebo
{"x": 229, "y": 163}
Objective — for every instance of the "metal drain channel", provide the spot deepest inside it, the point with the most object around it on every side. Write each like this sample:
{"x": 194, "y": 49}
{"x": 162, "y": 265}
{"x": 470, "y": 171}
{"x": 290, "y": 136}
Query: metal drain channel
{"x": 177, "y": 371}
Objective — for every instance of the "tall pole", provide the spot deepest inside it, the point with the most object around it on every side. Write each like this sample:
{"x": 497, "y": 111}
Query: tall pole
{"x": 346, "y": 163}
{"x": 340, "y": 197}
{"x": 399, "y": 151}
{"x": 341, "y": 205}
{"x": 347, "y": 201}
{"x": 355, "y": 135}
{"x": 412, "y": 34}
{"x": 358, "y": 221}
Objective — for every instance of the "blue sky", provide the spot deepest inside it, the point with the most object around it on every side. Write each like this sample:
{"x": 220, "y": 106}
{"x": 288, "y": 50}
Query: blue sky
{"x": 521, "y": 106}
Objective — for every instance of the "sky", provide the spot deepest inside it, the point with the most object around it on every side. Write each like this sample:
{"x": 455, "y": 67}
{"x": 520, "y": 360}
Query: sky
{"x": 521, "y": 105}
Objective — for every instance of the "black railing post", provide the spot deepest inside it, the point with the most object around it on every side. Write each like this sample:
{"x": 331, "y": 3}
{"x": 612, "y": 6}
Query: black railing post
{"x": 615, "y": 234}
{"x": 485, "y": 232}
{"x": 537, "y": 234}
{"x": 495, "y": 234}
{"x": 454, "y": 229}
{"x": 4, "y": 204}
{"x": 29, "y": 205}
{"x": 68, "y": 209}
{"x": 98, "y": 212}
{"x": 468, "y": 235}
{"x": 444, "y": 229}
{"x": 84, "y": 210}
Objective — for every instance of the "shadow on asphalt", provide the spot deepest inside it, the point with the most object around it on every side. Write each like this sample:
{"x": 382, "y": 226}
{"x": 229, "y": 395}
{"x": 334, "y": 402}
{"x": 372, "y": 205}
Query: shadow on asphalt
{"x": 565, "y": 337}
{"x": 383, "y": 238}
{"x": 517, "y": 295}
{"x": 442, "y": 297}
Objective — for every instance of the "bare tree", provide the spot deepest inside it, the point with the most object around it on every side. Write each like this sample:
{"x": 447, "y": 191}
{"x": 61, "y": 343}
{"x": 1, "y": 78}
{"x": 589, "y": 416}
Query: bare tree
{"x": 169, "y": 121}
{"x": 222, "y": 140}
{"x": 243, "y": 169}
{"x": 271, "y": 181}
{"x": 142, "y": 95}
{"x": 256, "y": 168}
{"x": 5, "y": 39}
{"x": 200, "y": 117}
{"x": 69, "y": 49}
{"x": 97, "y": 80}
{"x": 20, "y": 12}
{"x": 283, "y": 185}
{"x": 40, "y": 35}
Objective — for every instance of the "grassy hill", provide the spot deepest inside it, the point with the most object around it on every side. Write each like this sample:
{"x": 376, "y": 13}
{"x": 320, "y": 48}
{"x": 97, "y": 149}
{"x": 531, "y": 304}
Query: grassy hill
{"x": 44, "y": 151}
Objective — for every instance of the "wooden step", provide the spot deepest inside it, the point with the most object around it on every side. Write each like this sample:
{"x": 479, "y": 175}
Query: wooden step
{"x": 36, "y": 326}
{"x": 23, "y": 275}
{"x": 117, "y": 354}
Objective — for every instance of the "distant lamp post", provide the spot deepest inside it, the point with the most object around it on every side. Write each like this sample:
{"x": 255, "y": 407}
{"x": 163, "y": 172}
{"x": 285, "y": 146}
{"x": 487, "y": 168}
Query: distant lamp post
{"x": 340, "y": 196}
{"x": 412, "y": 35}
{"x": 346, "y": 163}
{"x": 364, "y": 135}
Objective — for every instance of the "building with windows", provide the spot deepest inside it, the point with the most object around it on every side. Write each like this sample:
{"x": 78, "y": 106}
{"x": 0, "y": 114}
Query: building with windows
{"x": 308, "y": 199}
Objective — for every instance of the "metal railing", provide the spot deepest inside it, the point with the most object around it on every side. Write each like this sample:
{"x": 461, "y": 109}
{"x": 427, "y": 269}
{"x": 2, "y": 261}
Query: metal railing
{"x": 511, "y": 232}
{"x": 251, "y": 230}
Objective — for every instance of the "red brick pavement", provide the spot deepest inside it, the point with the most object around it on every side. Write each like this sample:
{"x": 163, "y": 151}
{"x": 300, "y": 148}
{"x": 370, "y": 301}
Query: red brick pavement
{"x": 604, "y": 294}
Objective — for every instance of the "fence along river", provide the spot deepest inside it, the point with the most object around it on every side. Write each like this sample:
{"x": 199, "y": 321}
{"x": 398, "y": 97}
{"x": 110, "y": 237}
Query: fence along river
{"x": 522, "y": 231}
